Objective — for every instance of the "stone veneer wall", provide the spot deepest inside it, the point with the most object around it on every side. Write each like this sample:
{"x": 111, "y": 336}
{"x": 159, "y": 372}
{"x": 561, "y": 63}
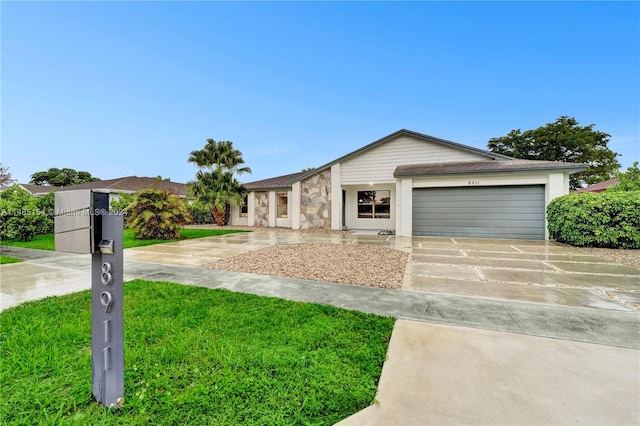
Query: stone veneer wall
{"x": 262, "y": 208}
{"x": 315, "y": 201}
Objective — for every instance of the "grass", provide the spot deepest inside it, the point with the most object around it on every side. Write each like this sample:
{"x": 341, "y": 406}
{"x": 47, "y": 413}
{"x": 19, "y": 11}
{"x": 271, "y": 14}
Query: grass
{"x": 47, "y": 241}
{"x": 193, "y": 356}
{"x": 4, "y": 260}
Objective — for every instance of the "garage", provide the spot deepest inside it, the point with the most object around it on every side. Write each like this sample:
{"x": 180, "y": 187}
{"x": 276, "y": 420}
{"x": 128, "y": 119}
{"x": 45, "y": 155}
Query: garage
{"x": 515, "y": 212}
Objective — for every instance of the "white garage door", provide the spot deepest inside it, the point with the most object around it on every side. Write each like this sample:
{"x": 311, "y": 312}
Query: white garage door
{"x": 480, "y": 212}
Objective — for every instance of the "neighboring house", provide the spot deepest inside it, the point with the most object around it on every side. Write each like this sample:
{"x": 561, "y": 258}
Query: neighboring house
{"x": 37, "y": 190}
{"x": 598, "y": 187}
{"x": 414, "y": 184}
{"x": 128, "y": 185}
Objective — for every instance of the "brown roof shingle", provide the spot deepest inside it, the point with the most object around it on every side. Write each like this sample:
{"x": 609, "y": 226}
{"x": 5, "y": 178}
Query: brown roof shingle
{"x": 273, "y": 183}
{"x": 490, "y": 166}
{"x": 38, "y": 189}
{"x": 131, "y": 184}
{"x": 598, "y": 187}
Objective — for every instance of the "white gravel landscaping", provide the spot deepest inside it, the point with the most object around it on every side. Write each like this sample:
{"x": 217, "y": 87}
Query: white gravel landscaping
{"x": 365, "y": 265}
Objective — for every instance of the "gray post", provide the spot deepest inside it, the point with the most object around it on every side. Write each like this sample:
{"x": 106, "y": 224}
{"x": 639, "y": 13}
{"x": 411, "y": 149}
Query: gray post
{"x": 107, "y": 338}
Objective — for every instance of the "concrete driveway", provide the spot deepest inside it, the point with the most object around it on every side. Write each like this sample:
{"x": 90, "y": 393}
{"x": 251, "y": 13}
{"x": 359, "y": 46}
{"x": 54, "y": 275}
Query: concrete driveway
{"x": 490, "y": 331}
{"x": 527, "y": 271}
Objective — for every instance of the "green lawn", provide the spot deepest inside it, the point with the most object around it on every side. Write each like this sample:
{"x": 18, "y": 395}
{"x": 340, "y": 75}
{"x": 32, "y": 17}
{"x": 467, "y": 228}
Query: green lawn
{"x": 193, "y": 356}
{"x": 8, "y": 259}
{"x": 47, "y": 241}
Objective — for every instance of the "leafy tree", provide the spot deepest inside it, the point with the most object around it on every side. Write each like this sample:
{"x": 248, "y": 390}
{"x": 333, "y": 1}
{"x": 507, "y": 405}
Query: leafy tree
{"x": 627, "y": 181}
{"x": 23, "y": 216}
{"x": 47, "y": 204}
{"x": 61, "y": 177}
{"x": 215, "y": 184}
{"x": 563, "y": 140}
{"x": 217, "y": 189}
{"x": 157, "y": 214}
{"x": 5, "y": 176}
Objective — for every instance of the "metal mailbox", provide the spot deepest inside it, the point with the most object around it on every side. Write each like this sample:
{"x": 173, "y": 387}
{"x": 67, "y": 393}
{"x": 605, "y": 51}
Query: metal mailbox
{"x": 78, "y": 220}
{"x": 83, "y": 224}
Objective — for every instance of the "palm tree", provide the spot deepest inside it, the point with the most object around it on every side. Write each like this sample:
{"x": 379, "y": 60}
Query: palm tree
{"x": 218, "y": 190}
{"x": 217, "y": 186}
{"x": 221, "y": 156}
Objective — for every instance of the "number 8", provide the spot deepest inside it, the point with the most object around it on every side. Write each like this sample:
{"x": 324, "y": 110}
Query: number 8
{"x": 105, "y": 277}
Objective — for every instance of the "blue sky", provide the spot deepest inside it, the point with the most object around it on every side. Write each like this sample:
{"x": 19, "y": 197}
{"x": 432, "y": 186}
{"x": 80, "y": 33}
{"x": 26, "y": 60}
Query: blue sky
{"x": 130, "y": 88}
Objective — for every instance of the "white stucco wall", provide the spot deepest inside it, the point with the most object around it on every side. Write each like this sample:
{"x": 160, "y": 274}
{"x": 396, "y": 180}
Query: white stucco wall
{"x": 295, "y": 205}
{"x": 336, "y": 198}
{"x": 236, "y": 219}
{"x": 404, "y": 215}
{"x": 351, "y": 208}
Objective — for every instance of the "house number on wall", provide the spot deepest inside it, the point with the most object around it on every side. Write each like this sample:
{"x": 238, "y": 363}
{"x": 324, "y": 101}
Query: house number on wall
{"x": 473, "y": 182}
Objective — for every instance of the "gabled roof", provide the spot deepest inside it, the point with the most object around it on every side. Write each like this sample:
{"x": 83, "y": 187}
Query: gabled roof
{"x": 598, "y": 187}
{"x": 130, "y": 184}
{"x": 471, "y": 167}
{"x": 273, "y": 183}
{"x": 37, "y": 190}
{"x": 402, "y": 132}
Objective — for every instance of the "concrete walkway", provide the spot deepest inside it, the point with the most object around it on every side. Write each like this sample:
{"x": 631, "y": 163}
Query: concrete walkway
{"x": 443, "y": 375}
{"x": 463, "y": 357}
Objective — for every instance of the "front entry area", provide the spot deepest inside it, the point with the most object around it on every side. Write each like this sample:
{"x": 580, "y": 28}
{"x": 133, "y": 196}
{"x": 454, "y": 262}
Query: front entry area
{"x": 514, "y": 212}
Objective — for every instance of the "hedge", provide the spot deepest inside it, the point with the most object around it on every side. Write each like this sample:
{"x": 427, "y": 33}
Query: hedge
{"x": 202, "y": 215}
{"x": 605, "y": 219}
{"x": 23, "y": 216}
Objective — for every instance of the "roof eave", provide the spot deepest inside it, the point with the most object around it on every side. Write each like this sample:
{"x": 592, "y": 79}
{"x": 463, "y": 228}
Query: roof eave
{"x": 570, "y": 170}
{"x": 268, "y": 188}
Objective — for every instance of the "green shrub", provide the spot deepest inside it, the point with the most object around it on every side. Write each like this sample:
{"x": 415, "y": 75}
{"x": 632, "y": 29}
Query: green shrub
{"x": 122, "y": 204}
{"x": 605, "y": 219}
{"x": 123, "y": 201}
{"x": 23, "y": 216}
{"x": 157, "y": 214}
{"x": 201, "y": 214}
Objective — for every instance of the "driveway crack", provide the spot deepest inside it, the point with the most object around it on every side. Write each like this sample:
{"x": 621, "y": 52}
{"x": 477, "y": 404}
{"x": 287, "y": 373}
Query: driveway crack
{"x": 514, "y": 320}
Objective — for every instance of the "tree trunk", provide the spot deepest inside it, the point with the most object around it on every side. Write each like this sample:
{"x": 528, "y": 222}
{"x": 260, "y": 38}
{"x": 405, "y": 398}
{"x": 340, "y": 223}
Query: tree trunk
{"x": 218, "y": 216}
{"x": 227, "y": 213}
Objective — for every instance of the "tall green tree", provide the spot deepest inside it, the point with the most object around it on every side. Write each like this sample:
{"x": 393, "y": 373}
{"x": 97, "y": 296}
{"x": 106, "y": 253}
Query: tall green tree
{"x": 61, "y": 177}
{"x": 5, "y": 176}
{"x": 563, "y": 140}
{"x": 215, "y": 184}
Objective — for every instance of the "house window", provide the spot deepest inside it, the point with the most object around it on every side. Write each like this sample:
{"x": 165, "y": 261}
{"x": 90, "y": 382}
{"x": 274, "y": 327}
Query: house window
{"x": 244, "y": 208}
{"x": 283, "y": 205}
{"x": 374, "y": 204}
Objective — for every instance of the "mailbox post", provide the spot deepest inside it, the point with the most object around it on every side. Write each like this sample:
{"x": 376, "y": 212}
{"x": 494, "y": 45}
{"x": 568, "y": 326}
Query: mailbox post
{"x": 83, "y": 224}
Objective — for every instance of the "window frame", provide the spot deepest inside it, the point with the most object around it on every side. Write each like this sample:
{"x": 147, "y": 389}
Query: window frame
{"x": 371, "y": 204}
{"x": 279, "y": 213}
{"x": 244, "y": 207}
